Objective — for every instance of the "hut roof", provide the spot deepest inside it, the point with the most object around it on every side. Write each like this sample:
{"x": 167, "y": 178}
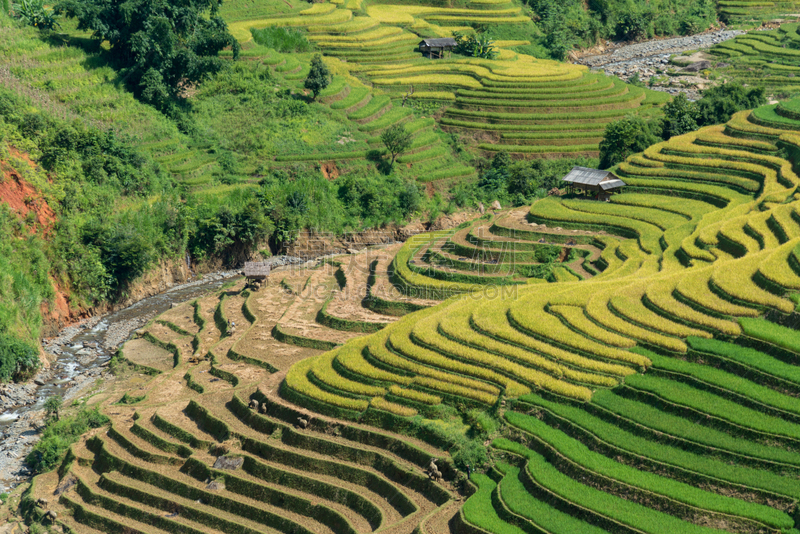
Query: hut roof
{"x": 611, "y": 184}
{"x": 586, "y": 176}
{"x": 256, "y": 269}
{"x": 439, "y": 42}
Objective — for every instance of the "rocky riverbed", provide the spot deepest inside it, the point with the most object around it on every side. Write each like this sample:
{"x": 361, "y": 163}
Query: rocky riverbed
{"x": 651, "y": 58}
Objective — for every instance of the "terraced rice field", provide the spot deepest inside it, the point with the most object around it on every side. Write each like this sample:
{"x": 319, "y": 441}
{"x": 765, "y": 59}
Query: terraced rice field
{"x": 651, "y": 386}
{"x": 640, "y": 357}
{"x": 754, "y": 10}
{"x": 660, "y": 395}
{"x": 516, "y": 103}
{"x": 767, "y": 58}
{"x": 158, "y": 468}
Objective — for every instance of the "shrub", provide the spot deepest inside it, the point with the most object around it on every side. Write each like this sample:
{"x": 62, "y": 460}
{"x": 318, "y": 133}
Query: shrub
{"x": 52, "y": 407}
{"x": 479, "y": 45}
{"x": 18, "y": 360}
{"x": 625, "y": 137}
{"x": 34, "y": 13}
{"x": 282, "y": 39}
{"x": 59, "y": 435}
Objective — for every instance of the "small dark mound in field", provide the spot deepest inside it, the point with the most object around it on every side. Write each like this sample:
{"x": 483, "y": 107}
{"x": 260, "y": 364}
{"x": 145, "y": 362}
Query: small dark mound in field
{"x": 225, "y": 462}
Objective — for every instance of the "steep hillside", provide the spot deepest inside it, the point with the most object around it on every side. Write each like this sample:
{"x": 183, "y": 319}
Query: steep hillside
{"x": 670, "y": 355}
{"x": 516, "y": 103}
{"x": 658, "y": 395}
{"x": 25, "y": 219}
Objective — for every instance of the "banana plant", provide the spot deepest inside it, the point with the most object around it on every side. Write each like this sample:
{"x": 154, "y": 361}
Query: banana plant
{"x": 34, "y": 13}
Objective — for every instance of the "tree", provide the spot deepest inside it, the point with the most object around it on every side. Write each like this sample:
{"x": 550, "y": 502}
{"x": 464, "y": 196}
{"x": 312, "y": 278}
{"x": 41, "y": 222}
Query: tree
{"x": 160, "y": 46}
{"x": 396, "y": 139}
{"x": 52, "y": 407}
{"x": 680, "y": 117}
{"x": 633, "y": 25}
{"x": 501, "y": 160}
{"x": 720, "y": 103}
{"x": 318, "y": 77}
{"x": 625, "y": 137}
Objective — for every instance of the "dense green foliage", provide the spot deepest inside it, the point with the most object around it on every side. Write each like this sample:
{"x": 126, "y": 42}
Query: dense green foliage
{"x": 94, "y": 250}
{"x": 516, "y": 182}
{"x": 161, "y": 48}
{"x": 17, "y": 358}
{"x": 720, "y": 103}
{"x": 633, "y": 134}
{"x": 34, "y": 13}
{"x": 624, "y": 137}
{"x": 480, "y": 45}
{"x": 59, "y": 435}
{"x": 680, "y": 117}
{"x": 574, "y": 23}
{"x": 319, "y": 77}
{"x": 717, "y": 106}
{"x": 300, "y": 198}
{"x": 282, "y": 39}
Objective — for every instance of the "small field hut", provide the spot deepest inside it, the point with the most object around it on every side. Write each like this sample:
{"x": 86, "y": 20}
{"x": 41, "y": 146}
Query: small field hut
{"x": 256, "y": 270}
{"x": 436, "y": 48}
{"x": 593, "y": 181}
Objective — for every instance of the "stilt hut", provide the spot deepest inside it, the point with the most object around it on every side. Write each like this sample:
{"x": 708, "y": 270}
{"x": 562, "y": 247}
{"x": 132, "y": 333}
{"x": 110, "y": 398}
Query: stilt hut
{"x": 601, "y": 184}
{"x": 256, "y": 271}
{"x": 436, "y": 48}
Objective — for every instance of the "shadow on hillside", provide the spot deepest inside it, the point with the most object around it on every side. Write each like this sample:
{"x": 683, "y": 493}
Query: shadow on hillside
{"x": 377, "y": 157}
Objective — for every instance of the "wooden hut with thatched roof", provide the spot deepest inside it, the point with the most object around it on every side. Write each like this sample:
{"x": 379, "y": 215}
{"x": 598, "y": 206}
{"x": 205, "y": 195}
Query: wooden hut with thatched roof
{"x": 256, "y": 270}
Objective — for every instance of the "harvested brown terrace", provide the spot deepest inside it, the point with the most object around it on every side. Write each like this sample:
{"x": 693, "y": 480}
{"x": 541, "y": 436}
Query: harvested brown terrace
{"x": 348, "y": 303}
{"x": 300, "y": 317}
{"x": 383, "y": 287}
